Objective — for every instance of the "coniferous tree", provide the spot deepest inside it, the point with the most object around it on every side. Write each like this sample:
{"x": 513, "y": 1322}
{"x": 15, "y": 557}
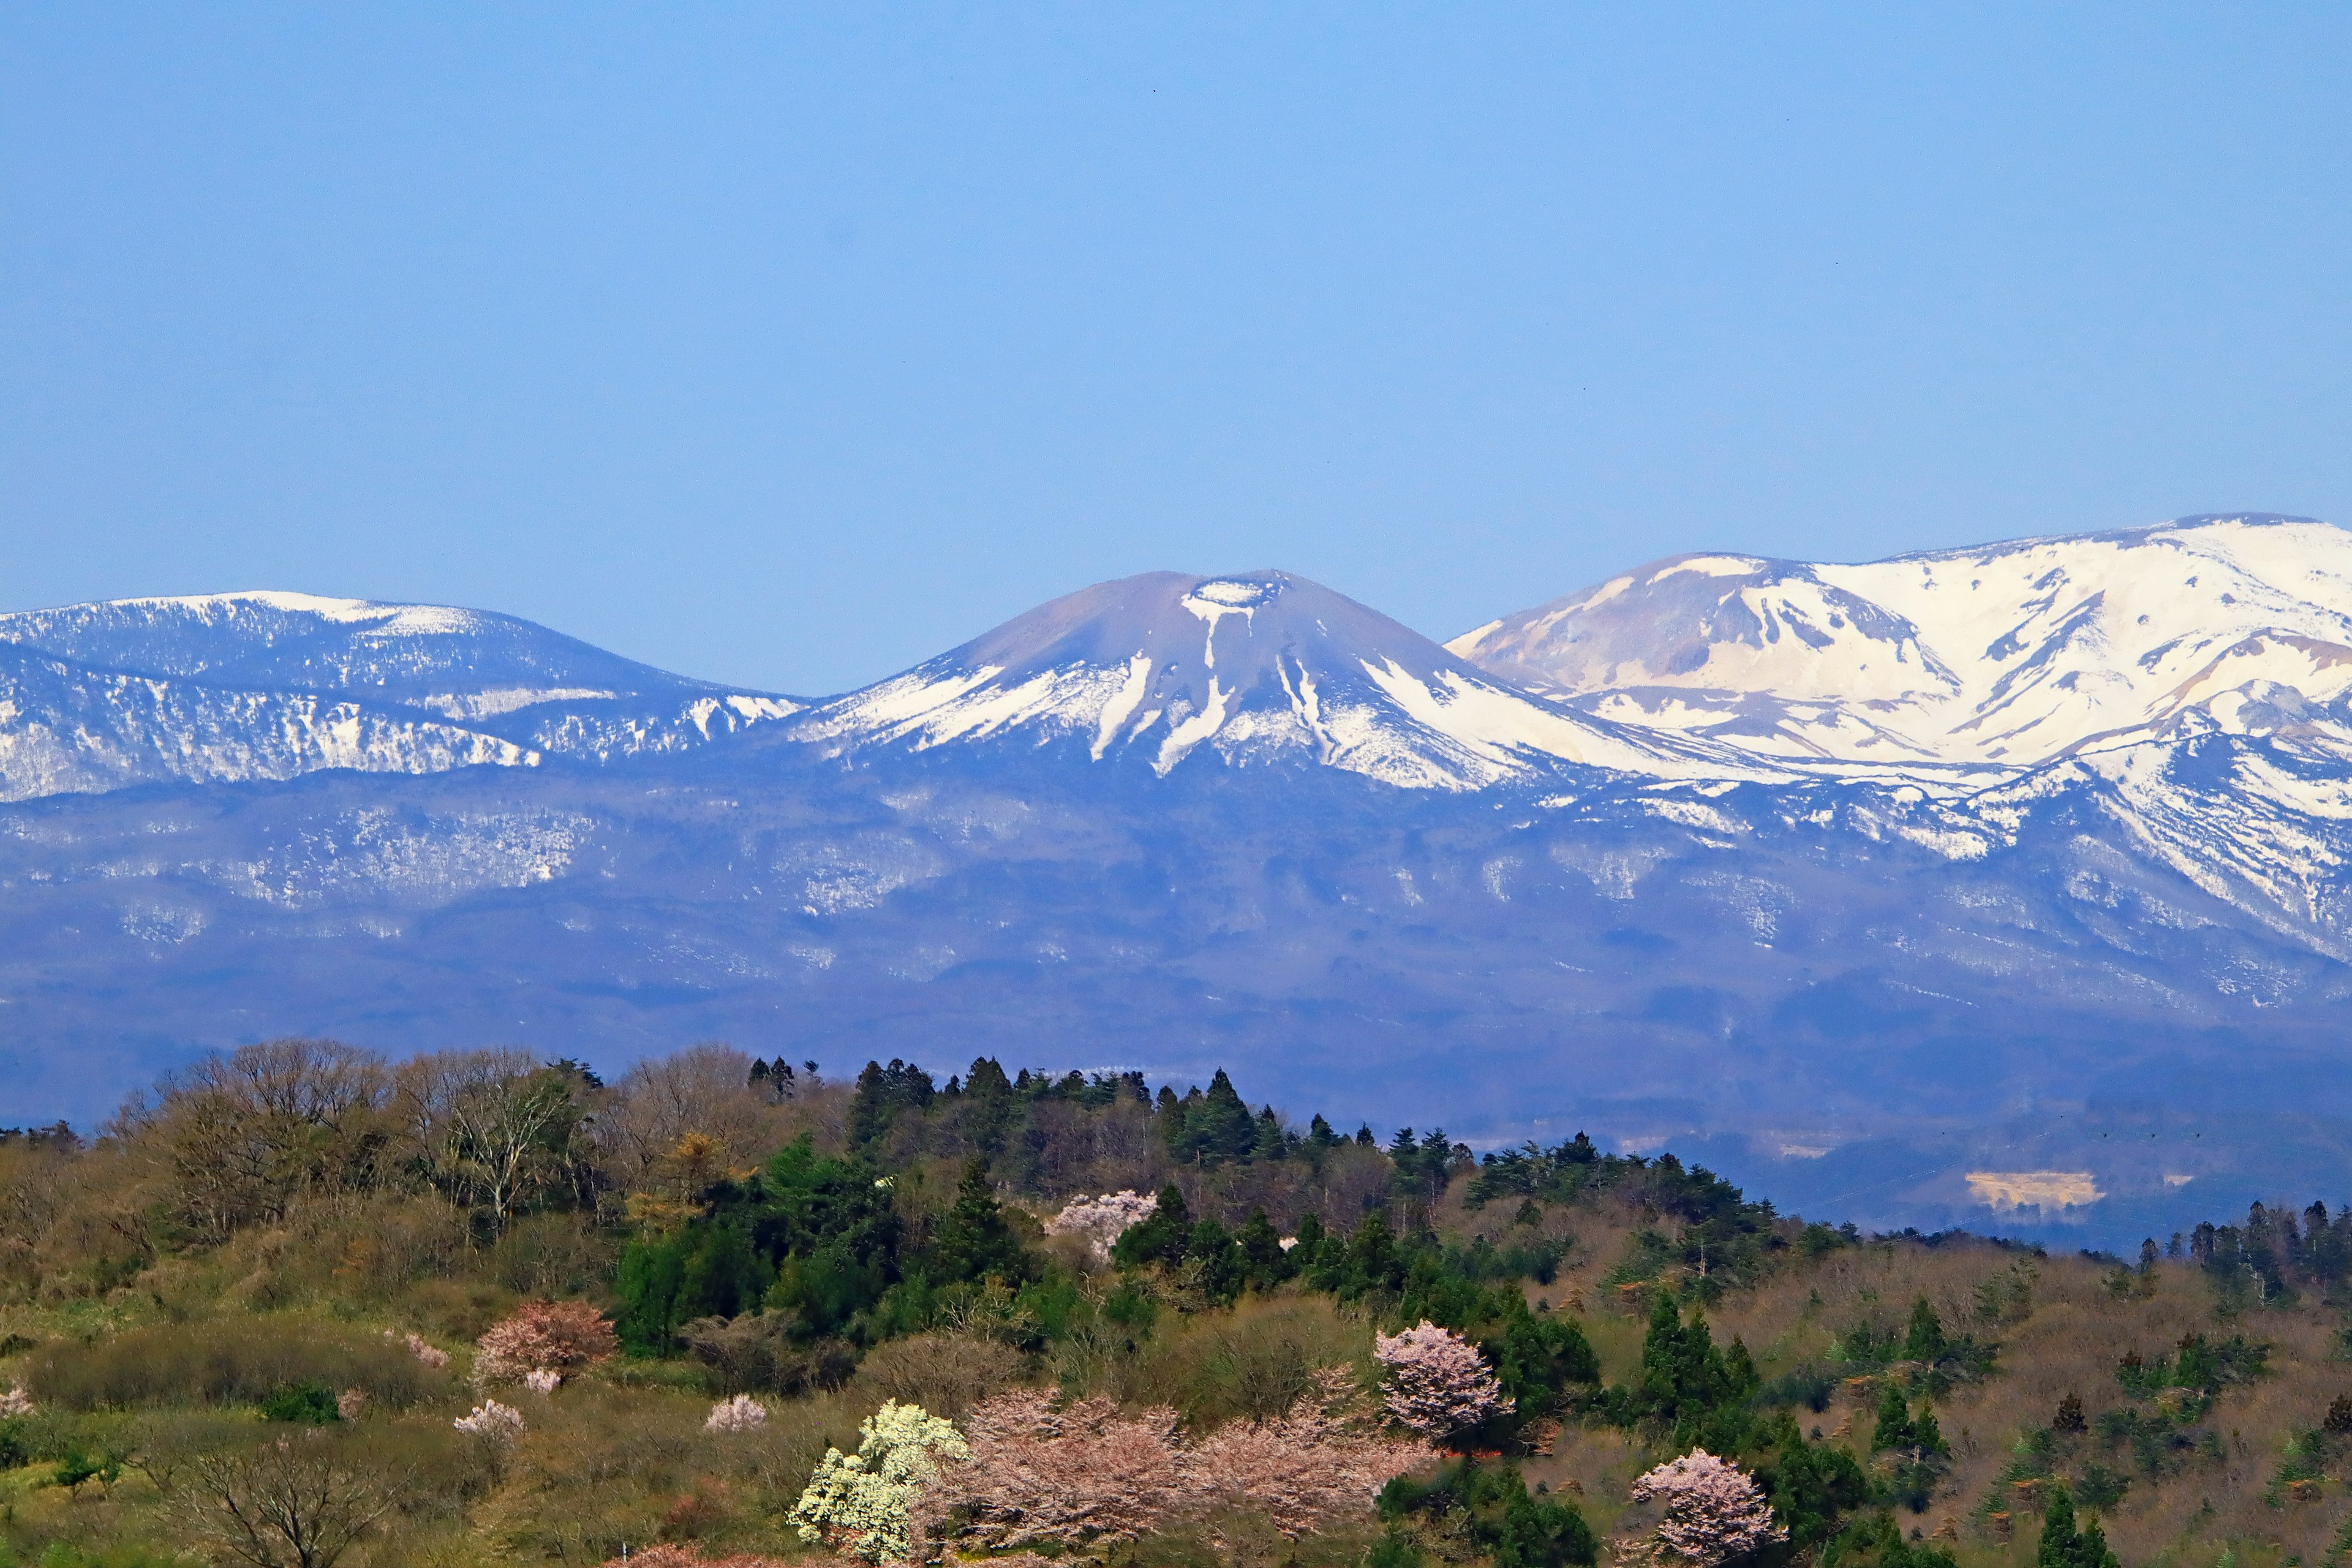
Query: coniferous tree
{"x": 1160, "y": 1238}
{"x": 2064, "y": 1546}
{"x": 1892, "y": 1429}
{"x": 973, "y": 1242}
{"x": 1924, "y": 1339}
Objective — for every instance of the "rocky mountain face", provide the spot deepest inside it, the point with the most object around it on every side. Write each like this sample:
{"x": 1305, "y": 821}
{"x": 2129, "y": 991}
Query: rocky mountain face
{"x": 1884, "y": 888}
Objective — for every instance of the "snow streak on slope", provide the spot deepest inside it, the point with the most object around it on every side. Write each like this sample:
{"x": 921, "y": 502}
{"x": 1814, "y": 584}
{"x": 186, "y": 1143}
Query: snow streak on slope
{"x": 1256, "y": 669}
{"x": 2007, "y": 656}
{"x": 239, "y": 687}
{"x": 65, "y": 730}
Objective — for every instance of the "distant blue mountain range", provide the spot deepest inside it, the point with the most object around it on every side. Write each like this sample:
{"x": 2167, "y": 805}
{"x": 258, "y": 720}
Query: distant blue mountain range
{"x": 2002, "y": 887}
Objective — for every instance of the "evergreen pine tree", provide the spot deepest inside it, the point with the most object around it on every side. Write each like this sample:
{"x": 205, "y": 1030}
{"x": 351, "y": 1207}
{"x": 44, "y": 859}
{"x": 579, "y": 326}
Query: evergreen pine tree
{"x": 973, "y": 1242}
{"x": 1925, "y": 1339}
{"x": 1160, "y": 1238}
{"x": 1894, "y": 1427}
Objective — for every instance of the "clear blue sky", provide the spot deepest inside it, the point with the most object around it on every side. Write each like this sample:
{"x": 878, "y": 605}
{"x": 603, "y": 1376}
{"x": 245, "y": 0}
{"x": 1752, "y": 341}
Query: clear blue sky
{"x": 791, "y": 346}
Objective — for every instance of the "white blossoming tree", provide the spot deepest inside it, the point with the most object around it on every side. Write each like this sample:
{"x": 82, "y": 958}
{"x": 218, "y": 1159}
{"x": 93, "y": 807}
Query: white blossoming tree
{"x": 859, "y": 1502}
{"x": 1711, "y": 1511}
{"x": 1102, "y": 1221}
{"x": 1438, "y": 1384}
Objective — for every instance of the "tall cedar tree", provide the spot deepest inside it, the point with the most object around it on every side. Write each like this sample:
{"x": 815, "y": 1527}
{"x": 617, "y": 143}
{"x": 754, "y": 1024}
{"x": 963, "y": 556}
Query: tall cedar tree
{"x": 973, "y": 1242}
{"x": 2063, "y": 1546}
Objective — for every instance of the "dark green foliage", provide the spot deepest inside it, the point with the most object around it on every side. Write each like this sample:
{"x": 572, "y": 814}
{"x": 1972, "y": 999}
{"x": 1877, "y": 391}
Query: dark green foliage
{"x": 1216, "y": 1261}
{"x": 1690, "y": 1385}
{"x": 1532, "y": 1171}
{"x": 1876, "y": 1541}
{"x": 2064, "y": 1546}
{"x": 1899, "y": 1428}
{"x": 1265, "y": 1264}
{"x": 811, "y": 1234}
{"x": 973, "y": 1242}
{"x": 1541, "y": 1361}
{"x": 884, "y": 1094}
{"x": 2101, "y": 1486}
{"x": 1517, "y": 1530}
{"x": 1160, "y": 1237}
{"x": 78, "y": 1466}
{"x": 2197, "y": 1364}
{"x": 1811, "y": 1485}
{"x": 310, "y": 1401}
{"x": 701, "y": 1271}
{"x": 1924, "y": 1339}
{"x": 1420, "y": 1171}
{"x": 1807, "y": 1385}
{"x": 1395, "y": 1549}
{"x": 2162, "y": 1440}
{"x": 1213, "y": 1129}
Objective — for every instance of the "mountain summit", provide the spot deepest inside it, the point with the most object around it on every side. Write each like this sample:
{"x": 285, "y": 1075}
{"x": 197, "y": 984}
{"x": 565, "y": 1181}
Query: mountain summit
{"x": 1256, "y": 668}
{"x": 2005, "y": 656}
{"x": 237, "y": 688}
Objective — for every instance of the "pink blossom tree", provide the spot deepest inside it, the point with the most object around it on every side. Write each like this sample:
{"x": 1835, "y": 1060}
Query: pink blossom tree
{"x": 1321, "y": 1464}
{"x": 1711, "y": 1512}
{"x": 1103, "y": 1220}
{"x": 1068, "y": 1477}
{"x": 1438, "y": 1384}
{"x": 1086, "y": 1477}
{"x": 558, "y": 1337}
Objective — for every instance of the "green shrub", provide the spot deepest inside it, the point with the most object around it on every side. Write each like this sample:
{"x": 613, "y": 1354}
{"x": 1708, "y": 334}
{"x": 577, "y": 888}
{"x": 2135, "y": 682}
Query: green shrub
{"x": 227, "y": 1362}
{"x": 310, "y": 1402}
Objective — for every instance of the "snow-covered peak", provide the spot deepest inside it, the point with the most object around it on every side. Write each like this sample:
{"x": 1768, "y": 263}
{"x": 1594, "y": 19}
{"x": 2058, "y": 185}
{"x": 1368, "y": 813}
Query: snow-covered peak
{"x": 2007, "y": 655}
{"x": 425, "y": 653}
{"x": 1253, "y": 667}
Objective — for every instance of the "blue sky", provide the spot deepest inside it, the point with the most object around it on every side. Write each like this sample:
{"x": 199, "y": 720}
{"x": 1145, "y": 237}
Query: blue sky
{"x": 789, "y": 346}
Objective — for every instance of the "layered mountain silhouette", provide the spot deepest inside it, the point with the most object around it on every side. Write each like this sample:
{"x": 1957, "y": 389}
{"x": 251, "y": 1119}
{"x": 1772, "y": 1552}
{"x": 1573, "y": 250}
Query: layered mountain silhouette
{"x": 1865, "y": 882}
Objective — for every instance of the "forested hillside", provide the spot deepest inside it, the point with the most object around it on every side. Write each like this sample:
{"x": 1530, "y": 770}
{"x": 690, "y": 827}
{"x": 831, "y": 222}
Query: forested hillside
{"x": 305, "y": 1306}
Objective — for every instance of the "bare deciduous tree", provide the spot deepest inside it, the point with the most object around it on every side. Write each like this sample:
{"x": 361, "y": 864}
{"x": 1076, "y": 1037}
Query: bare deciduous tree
{"x": 491, "y": 1123}
{"x": 294, "y": 1503}
{"x": 704, "y": 1090}
{"x": 238, "y": 1139}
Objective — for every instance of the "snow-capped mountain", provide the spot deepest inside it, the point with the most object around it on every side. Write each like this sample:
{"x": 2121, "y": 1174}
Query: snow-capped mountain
{"x": 243, "y": 687}
{"x": 2005, "y": 656}
{"x": 2032, "y": 858}
{"x": 1256, "y": 669}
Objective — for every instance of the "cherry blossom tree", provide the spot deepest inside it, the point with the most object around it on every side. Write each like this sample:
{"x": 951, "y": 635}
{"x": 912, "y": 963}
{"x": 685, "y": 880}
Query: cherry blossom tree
{"x": 498, "y": 1423}
{"x": 429, "y": 1354}
{"x": 1103, "y": 1220}
{"x": 1035, "y": 1476}
{"x": 1320, "y": 1464}
{"x": 1438, "y": 1384}
{"x": 740, "y": 1414}
{"x": 558, "y": 1337}
{"x": 1711, "y": 1511}
{"x": 1085, "y": 1476}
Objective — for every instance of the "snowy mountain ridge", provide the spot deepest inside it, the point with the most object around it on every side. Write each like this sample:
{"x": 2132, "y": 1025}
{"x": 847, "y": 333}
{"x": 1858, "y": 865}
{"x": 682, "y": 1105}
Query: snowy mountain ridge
{"x": 1256, "y": 669}
{"x": 1915, "y": 867}
{"x": 2004, "y": 656}
{"x": 248, "y": 687}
